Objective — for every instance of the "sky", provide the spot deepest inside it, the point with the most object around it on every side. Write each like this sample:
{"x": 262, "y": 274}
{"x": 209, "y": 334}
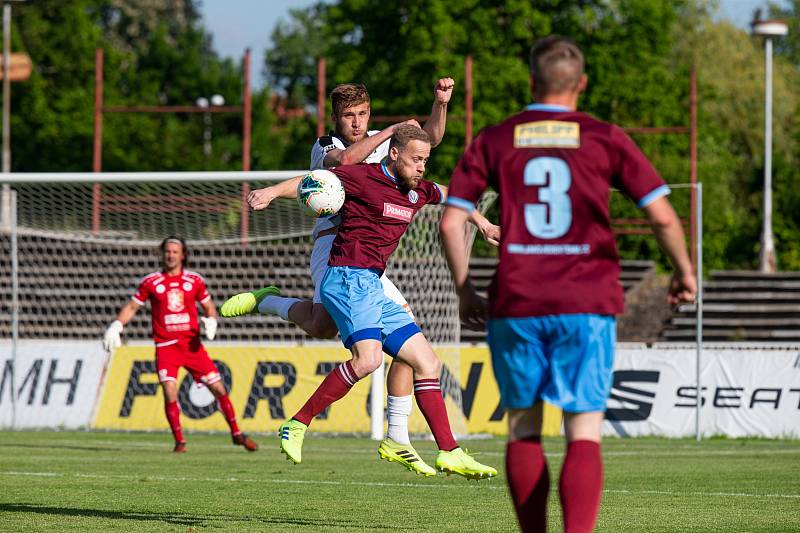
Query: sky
{"x": 238, "y": 24}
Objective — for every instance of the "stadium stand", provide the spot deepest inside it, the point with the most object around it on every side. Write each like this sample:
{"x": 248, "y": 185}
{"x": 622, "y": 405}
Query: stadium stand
{"x": 633, "y": 273}
{"x": 743, "y": 305}
{"x": 72, "y": 289}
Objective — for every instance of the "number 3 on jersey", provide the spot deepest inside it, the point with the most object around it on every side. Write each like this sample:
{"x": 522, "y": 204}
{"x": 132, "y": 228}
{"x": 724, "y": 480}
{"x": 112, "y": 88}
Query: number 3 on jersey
{"x": 552, "y": 217}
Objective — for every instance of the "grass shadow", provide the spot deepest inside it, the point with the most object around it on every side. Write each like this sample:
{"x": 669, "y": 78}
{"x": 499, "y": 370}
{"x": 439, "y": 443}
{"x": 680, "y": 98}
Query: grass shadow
{"x": 61, "y": 447}
{"x": 176, "y": 518}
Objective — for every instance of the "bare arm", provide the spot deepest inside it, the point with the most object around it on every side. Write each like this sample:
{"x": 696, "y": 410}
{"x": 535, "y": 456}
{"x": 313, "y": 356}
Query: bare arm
{"x": 261, "y": 198}
{"x": 358, "y": 151}
{"x": 435, "y": 125}
{"x": 669, "y": 232}
{"x": 490, "y": 232}
{"x": 209, "y": 308}
{"x": 452, "y": 230}
{"x": 126, "y": 313}
{"x": 471, "y": 307}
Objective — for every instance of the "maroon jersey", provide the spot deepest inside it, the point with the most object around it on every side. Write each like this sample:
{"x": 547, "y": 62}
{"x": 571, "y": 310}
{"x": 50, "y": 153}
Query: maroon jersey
{"x": 375, "y": 214}
{"x": 553, "y": 169}
{"x": 173, "y": 304}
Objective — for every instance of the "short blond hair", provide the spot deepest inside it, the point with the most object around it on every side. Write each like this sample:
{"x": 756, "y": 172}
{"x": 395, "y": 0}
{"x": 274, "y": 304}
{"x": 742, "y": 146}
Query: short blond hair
{"x": 405, "y": 133}
{"x": 348, "y": 95}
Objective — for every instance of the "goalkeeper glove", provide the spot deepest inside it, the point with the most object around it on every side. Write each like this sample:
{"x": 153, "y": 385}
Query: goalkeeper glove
{"x": 210, "y": 325}
{"x": 112, "y": 340}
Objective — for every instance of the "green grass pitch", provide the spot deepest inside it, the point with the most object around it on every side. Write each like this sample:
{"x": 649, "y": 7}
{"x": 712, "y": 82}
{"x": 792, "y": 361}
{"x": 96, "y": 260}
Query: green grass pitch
{"x": 78, "y": 481}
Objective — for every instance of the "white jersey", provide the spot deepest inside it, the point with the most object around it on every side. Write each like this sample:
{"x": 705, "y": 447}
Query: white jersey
{"x": 321, "y": 147}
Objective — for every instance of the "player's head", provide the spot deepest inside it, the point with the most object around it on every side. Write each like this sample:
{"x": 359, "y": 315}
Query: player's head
{"x": 556, "y": 65}
{"x": 174, "y": 253}
{"x": 350, "y": 105}
{"x": 409, "y": 150}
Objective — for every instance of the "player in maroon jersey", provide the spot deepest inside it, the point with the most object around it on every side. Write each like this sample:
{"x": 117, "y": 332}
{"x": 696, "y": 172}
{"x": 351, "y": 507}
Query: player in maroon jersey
{"x": 552, "y": 302}
{"x": 381, "y": 201}
{"x": 174, "y": 294}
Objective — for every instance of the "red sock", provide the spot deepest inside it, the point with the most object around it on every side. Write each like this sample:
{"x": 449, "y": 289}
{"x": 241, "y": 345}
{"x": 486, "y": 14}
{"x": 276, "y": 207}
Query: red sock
{"x": 581, "y": 485}
{"x": 173, "y": 413}
{"x": 429, "y": 397}
{"x": 225, "y": 405}
{"x": 529, "y": 482}
{"x": 333, "y": 387}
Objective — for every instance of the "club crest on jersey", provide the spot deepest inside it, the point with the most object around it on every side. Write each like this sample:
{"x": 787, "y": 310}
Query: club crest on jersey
{"x": 413, "y": 197}
{"x": 160, "y": 289}
{"x": 175, "y": 300}
{"x": 398, "y": 212}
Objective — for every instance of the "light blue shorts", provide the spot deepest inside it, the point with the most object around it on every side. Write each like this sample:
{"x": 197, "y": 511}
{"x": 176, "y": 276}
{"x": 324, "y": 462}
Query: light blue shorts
{"x": 355, "y": 299}
{"x": 566, "y": 360}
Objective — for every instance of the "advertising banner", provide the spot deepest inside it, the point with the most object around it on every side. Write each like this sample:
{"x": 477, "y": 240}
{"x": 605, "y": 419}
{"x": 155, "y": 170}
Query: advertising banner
{"x": 55, "y": 383}
{"x": 754, "y": 391}
{"x": 744, "y": 392}
{"x": 269, "y": 384}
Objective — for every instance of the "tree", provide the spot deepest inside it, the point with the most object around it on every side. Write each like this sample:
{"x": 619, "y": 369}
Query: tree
{"x": 155, "y": 53}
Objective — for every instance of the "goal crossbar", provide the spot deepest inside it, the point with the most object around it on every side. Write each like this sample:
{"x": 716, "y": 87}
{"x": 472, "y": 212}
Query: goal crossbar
{"x": 149, "y": 177}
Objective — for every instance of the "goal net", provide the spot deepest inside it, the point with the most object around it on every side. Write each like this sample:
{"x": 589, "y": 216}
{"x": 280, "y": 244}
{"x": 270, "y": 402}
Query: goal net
{"x": 83, "y": 241}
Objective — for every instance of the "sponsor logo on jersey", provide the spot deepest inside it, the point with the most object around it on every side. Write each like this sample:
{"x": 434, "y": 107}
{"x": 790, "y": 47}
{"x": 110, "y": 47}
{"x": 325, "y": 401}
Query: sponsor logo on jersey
{"x": 175, "y": 300}
{"x": 413, "y": 197}
{"x": 547, "y": 134}
{"x": 398, "y": 212}
{"x": 177, "y": 318}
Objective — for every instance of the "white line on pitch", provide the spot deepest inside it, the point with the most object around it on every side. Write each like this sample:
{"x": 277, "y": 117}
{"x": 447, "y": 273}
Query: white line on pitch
{"x": 697, "y": 493}
{"x": 378, "y": 484}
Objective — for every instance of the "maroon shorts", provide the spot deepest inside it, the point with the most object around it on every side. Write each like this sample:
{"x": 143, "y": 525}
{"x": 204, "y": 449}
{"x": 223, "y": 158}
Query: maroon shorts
{"x": 190, "y": 355}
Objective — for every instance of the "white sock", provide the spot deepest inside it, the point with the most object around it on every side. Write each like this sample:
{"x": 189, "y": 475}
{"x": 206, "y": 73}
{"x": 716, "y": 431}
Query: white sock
{"x": 277, "y": 305}
{"x": 398, "y": 408}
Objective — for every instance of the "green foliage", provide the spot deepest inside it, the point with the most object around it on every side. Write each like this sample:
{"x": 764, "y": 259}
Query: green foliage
{"x": 639, "y": 54}
{"x": 156, "y": 54}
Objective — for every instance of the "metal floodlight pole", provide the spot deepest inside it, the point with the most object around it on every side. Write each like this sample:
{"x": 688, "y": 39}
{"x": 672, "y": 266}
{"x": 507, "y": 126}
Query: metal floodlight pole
{"x": 768, "y": 29}
{"x": 767, "y": 242}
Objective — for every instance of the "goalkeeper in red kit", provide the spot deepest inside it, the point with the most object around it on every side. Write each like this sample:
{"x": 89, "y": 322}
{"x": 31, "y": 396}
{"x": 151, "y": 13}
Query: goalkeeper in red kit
{"x": 174, "y": 294}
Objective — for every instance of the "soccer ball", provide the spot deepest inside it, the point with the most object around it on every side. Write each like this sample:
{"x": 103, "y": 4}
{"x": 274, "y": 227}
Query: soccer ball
{"x": 320, "y": 193}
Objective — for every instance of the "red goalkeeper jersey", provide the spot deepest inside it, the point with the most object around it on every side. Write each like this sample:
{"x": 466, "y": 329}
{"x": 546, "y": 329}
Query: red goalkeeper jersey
{"x": 173, "y": 304}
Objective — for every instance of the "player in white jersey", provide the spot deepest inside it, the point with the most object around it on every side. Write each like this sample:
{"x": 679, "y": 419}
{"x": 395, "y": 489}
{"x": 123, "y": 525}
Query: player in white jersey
{"x": 351, "y": 143}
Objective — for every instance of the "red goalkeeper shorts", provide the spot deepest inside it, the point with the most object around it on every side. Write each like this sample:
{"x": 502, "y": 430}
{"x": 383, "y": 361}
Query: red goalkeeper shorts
{"x": 187, "y": 354}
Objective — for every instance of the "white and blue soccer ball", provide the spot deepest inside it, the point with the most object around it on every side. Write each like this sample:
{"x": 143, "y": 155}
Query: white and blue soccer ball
{"x": 320, "y": 193}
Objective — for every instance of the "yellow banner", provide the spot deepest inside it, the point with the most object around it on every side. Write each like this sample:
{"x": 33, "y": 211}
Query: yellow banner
{"x": 269, "y": 384}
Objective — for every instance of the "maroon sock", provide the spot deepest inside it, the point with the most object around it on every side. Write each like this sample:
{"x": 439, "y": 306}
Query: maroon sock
{"x": 173, "y": 413}
{"x": 581, "y": 485}
{"x": 429, "y": 397}
{"x": 226, "y": 407}
{"x": 529, "y": 482}
{"x": 333, "y": 387}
